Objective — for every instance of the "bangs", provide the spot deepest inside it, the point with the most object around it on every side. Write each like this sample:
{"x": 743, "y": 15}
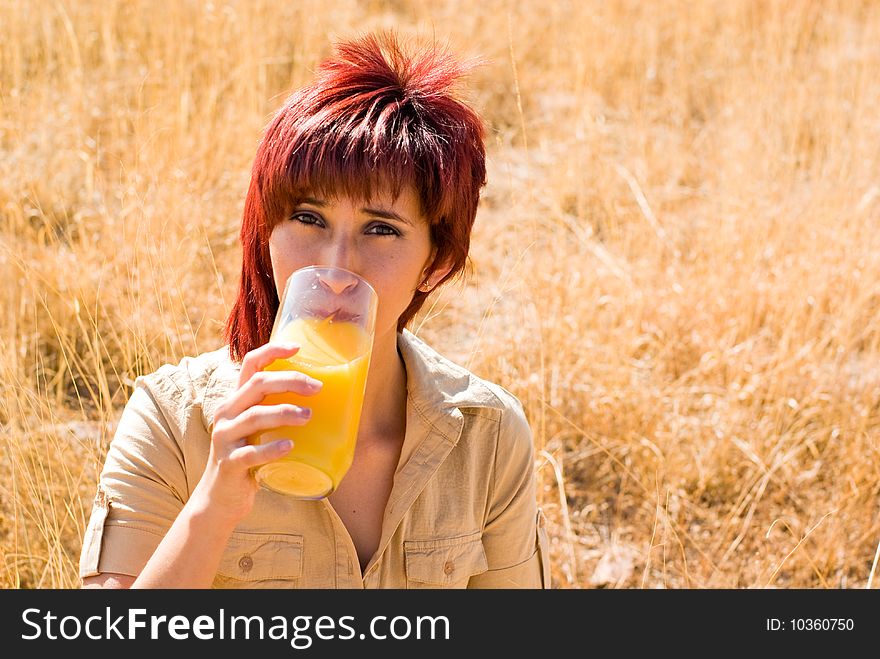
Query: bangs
{"x": 330, "y": 161}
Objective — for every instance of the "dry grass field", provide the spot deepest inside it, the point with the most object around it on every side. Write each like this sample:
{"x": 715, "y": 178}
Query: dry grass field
{"x": 676, "y": 265}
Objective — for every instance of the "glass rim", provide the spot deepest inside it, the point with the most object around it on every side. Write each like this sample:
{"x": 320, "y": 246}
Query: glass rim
{"x": 334, "y": 267}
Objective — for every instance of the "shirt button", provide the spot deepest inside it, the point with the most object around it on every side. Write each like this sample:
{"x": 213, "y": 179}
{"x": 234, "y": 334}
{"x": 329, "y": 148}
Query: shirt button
{"x": 246, "y": 563}
{"x": 448, "y": 567}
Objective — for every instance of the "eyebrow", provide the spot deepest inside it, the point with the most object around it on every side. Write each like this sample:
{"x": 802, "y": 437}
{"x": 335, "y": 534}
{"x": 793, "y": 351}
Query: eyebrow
{"x": 387, "y": 214}
{"x": 377, "y": 212}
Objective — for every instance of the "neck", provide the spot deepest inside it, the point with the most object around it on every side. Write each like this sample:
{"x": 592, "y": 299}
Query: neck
{"x": 384, "y": 411}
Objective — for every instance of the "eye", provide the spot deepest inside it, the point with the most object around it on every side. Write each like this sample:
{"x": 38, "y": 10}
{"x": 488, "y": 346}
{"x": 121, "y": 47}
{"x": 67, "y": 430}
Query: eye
{"x": 382, "y": 230}
{"x": 307, "y": 218}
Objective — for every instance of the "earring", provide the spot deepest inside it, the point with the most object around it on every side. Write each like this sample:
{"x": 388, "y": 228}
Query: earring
{"x": 425, "y": 287}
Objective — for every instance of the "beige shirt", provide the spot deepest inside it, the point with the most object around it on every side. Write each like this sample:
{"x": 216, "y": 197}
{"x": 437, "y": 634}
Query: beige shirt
{"x": 462, "y": 510}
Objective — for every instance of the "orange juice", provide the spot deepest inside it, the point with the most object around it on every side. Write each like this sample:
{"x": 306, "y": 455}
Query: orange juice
{"x": 338, "y": 354}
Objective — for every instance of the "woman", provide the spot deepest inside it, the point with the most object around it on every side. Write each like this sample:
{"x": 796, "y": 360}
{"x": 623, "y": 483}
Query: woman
{"x": 377, "y": 168}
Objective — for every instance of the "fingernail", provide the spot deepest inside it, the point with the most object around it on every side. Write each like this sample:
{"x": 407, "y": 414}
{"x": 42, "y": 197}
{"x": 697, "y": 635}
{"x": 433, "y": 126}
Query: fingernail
{"x": 317, "y": 385}
{"x": 285, "y": 445}
{"x": 306, "y": 412}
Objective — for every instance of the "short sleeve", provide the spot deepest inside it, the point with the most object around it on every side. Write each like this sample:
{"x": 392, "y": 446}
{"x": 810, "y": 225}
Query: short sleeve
{"x": 512, "y": 537}
{"x": 143, "y": 484}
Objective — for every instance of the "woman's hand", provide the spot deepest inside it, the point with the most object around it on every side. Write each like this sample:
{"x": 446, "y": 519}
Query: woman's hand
{"x": 227, "y": 487}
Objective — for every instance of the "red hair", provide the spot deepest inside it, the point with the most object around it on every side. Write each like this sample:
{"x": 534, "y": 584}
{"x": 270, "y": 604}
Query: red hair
{"x": 373, "y": 116}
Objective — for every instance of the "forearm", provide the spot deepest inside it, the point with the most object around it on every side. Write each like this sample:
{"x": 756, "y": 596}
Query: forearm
{"x": 190, "y": 552}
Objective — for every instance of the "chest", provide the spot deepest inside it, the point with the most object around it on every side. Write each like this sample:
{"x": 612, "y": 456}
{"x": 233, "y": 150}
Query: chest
{"x": 441, "y": 498}
{"x": 362, "y": 496}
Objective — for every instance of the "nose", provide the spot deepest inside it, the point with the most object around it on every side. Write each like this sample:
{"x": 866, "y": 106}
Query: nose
{"x": 339, "y": 251}
{"x": 337, "y": 281}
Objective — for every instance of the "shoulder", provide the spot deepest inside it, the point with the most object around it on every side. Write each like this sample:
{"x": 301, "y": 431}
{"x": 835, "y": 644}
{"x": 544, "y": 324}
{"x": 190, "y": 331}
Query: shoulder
{"x": 177, "y": 387}
{"x": 514, "y": 424}
{"x": 191, "y": 373}
{"x": 515, "y": 440}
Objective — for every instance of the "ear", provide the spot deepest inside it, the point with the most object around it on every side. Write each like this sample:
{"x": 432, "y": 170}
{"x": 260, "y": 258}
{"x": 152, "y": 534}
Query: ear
{"x": 430, "y": 278}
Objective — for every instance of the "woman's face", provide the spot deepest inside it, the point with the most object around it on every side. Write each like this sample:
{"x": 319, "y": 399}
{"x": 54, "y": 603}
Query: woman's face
{"x": 385, "y": 240}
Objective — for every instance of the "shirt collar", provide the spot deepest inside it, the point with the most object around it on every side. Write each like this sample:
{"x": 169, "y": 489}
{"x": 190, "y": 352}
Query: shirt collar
{"x": 437, "y": 387}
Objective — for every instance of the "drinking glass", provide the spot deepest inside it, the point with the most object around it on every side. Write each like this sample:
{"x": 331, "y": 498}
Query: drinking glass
{"x": 330, "y": 313}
